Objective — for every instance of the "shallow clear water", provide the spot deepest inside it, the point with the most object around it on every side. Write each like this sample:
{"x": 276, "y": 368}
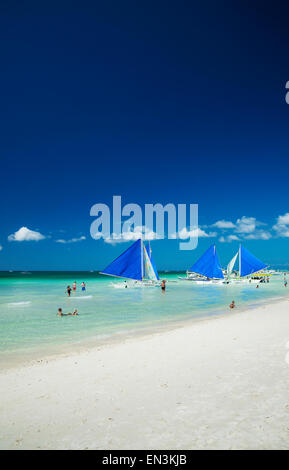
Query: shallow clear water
{"x": 29, "y": 304}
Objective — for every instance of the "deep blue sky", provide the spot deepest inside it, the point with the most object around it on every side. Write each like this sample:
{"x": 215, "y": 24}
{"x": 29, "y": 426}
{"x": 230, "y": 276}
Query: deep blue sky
{"x": 179, "y": 102}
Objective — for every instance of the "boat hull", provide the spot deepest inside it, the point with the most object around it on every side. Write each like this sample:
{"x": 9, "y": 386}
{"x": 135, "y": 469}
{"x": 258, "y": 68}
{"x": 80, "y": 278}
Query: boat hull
{"x": 135, "y": 284}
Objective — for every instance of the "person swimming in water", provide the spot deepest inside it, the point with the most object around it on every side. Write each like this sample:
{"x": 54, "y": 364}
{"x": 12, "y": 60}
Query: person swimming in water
{"x": 83, "y": 288}
{"x": 233, "y": 305}
{"x": 61, "y": 314}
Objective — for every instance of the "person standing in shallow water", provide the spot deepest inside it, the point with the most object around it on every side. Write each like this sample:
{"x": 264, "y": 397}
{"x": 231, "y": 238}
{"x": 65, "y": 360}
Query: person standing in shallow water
{"x": 233, "y": 305}
{"x": 163, "y": 285}
{"x": 74, "y": 286}
{"x": 68, "y": 290}
{"x": 83, "y": 288}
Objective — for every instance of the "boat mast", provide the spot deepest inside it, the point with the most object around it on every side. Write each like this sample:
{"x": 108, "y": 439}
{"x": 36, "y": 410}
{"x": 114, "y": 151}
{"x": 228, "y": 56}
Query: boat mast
{"x": 240, "y": 260}
{"x": 141, "y": 258}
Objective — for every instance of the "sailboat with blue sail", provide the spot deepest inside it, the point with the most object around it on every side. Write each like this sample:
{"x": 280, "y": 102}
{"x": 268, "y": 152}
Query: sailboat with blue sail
{"x": 207, "y": 269}
{"x": 249, "y": 265}
{"x": 135, "y": 264}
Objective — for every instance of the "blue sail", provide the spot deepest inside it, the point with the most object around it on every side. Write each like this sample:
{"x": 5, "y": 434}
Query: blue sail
{"x": 208, "y": 265}
{"x": 249, "y": 264}
{"x": 128, "y": 264}
{"x": 149, "y": 252}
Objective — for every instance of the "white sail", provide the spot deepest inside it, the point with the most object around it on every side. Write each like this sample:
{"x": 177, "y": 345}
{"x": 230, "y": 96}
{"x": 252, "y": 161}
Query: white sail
{"x": 149, "y": 270}
{"x": 231, "y": 265}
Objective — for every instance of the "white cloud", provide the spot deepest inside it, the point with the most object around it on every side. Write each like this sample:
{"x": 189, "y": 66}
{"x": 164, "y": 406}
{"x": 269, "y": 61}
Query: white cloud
{"x": 72, "y": 240}
{"x": 228, "y": 238}
{"x": 25, "y": 234}
{"x": 232, "y": 237}
{"x": 246, "y": 228}
{"x": 203, "y": 234}
{"x": 146, "y": 234}
{"x": 282, "y": 226}
{"x": 259, "y": 235}
{"x": 185, "y": 233}
{"x": 246, "y": 225}
{"x": 139, "y": 232}
{"x": 283, "y": 219}
{"x": 224, "y": 224}
{"x": 284, "y": 233}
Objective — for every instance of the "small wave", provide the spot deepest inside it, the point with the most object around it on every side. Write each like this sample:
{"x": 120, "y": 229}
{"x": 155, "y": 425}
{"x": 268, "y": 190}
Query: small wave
{"x": 19, "y": 304}
{"x": 82, "y": 297}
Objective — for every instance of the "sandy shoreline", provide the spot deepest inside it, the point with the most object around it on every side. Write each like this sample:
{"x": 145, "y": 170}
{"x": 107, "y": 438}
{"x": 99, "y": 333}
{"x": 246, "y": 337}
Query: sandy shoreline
{"x": 219, "y": 383}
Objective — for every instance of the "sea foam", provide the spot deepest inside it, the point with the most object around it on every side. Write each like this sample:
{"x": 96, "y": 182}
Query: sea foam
{"x": 19, "y": 304}
{"x": 82, "y": 297}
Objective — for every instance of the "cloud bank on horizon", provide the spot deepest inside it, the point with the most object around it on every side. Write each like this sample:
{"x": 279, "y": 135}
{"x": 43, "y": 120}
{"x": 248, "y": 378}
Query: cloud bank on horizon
{"x": 247, "y": 228}
{"x": 244, "y": 228}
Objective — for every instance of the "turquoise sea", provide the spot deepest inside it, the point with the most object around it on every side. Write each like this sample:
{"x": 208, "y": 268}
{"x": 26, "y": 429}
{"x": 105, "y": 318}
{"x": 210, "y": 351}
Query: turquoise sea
{"x": 30, "y": 327}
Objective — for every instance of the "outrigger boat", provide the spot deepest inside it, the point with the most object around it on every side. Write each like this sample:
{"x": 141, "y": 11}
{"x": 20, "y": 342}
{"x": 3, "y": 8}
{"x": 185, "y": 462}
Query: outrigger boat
{"x": 207, "y": 269}
{"x": 136, "y": 265}
{"x": 250, "y": 268}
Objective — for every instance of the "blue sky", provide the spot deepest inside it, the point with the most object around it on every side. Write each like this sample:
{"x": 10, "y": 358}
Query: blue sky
{"x": 180, "y": 102}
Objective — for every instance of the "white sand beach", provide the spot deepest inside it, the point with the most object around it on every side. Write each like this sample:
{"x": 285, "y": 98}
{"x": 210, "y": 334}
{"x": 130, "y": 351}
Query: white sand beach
{"x": 219, "y": 383}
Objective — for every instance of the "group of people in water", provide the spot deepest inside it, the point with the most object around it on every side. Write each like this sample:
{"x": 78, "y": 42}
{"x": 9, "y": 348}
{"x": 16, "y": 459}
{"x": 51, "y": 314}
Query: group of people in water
{"x": 68, "y": 292}
{"x": 73, "y": 289}
{"x": 233, "y": 305}
{"x": 163, "y": 288}
{"x": 61, "y": 314}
